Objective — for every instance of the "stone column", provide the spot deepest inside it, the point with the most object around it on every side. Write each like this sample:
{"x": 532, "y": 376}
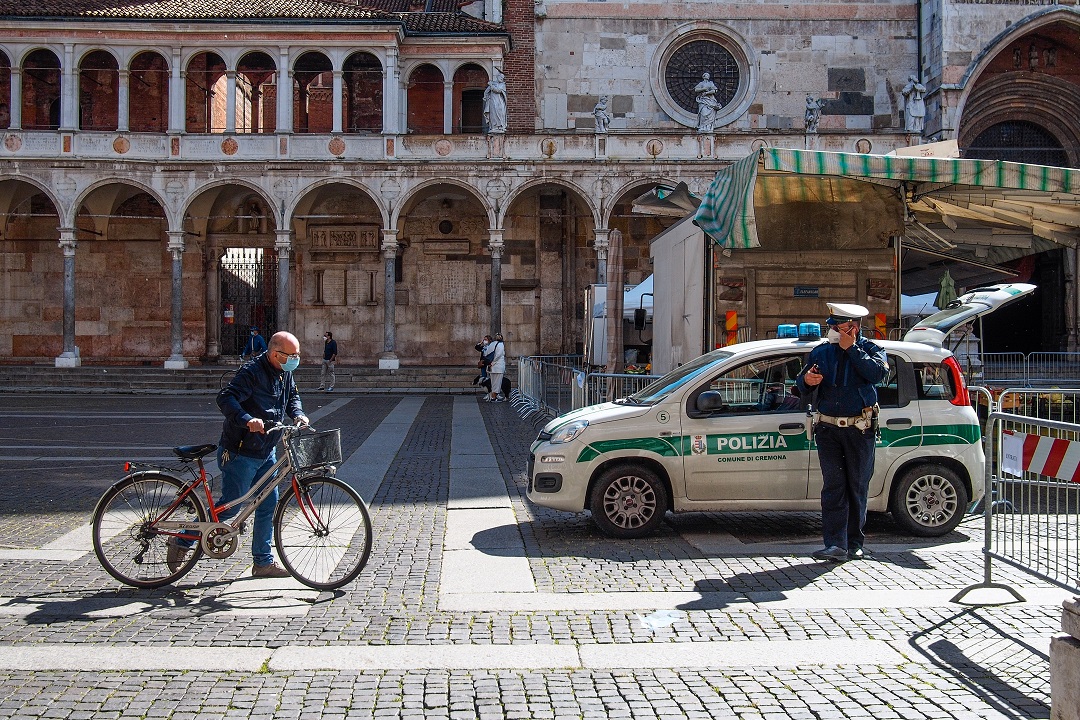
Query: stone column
{"x": 448, "y": 107}
{"x": 122, "y": 102}
{"x": 70, "y": 356}
{"x": 337, "y": 102}
{"x": 391, "y": 93}
{"x": 1065, "y": 665}
{"x": 176, "y": 360}
{"x": 284, "y": 307}
{"x": 496, "y": 246}
{"x": 69, "y": 90}
{"x": 230, "y": 101}
{"x": 213, "y": 302}
{"x": 284, "y": 94}
{"x": 177, "y": 95}
{"x": 16, "y": 98}
{"x": 388, "y": 359}
{"x": 600, "y": 245}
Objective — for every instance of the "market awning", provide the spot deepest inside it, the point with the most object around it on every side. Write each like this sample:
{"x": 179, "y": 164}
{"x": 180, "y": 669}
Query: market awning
{"x": 981, "y": 212}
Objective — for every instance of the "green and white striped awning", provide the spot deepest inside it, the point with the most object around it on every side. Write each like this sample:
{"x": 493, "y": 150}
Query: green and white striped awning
{"x": 1045, "y": 200}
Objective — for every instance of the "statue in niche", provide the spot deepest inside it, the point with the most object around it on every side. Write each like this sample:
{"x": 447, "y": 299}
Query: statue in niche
{"x": 495, "y": 103}
{"x": 914, "y": 105}
{"x": 813, "y": 113}
{"x": 600, "y": 114}
{"x": 705, "y": 93}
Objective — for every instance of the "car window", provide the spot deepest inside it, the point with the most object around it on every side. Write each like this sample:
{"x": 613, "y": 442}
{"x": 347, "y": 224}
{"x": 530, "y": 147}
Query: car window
{"x": 678, "y": 377}
{"x": 764, "y": 385}
{"x": 933, "y": 381}
{"x": 888, "y": 390}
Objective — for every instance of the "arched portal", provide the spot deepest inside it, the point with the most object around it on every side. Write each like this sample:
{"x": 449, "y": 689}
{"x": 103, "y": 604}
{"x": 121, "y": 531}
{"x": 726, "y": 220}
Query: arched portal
{"x": 41, "y": 91}
{"x": 148, "y": 82}
{"x": 99, "y": 92}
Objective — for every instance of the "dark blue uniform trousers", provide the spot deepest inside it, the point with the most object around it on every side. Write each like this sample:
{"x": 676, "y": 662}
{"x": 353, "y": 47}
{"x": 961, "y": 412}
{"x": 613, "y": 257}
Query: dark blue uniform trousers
{"x": 847, "y": 463}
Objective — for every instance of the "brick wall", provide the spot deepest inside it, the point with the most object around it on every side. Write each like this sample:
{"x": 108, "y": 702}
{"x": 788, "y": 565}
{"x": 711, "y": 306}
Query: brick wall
{"x": 520, "y": 66}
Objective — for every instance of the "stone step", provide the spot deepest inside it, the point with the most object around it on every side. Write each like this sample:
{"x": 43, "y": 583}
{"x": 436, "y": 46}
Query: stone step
{"x": 134, "y": 378}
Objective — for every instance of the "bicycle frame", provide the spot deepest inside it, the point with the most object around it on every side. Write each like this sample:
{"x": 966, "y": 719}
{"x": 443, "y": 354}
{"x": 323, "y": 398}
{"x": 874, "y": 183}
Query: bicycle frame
{"x": 279, "y": 474}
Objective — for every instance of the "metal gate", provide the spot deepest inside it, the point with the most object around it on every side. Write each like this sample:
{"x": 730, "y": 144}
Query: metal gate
{"x": 248, "y": 295}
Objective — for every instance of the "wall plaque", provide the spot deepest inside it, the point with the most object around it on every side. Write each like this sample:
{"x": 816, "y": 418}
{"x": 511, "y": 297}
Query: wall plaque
{"x": 343, "y": 238}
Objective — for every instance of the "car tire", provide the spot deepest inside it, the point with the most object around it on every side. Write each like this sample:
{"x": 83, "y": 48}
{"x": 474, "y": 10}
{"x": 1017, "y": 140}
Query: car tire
{"x": 628, "y": 501}
{"x": 929, "y": 501}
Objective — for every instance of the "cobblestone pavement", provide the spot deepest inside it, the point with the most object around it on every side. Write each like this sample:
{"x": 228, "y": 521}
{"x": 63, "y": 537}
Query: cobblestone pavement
{"x": 720, "y": 616}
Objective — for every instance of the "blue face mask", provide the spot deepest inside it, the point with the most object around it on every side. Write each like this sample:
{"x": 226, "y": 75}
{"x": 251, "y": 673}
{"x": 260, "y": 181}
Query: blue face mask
{"x": 291, "y": 364}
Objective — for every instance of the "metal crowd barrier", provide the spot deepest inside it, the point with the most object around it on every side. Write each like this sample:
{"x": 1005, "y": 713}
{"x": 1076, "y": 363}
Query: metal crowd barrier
{"x": 595, "y": 388}
{"x": 1031, "y": 518}
{"x": 1038, "y": 369}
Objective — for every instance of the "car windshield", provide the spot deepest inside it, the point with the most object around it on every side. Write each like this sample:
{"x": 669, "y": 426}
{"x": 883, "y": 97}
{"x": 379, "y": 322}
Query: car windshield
{"x": 678, "y": 377}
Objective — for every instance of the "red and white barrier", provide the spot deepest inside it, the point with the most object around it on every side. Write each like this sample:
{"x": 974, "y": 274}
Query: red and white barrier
{"x": 1051, "y": 457}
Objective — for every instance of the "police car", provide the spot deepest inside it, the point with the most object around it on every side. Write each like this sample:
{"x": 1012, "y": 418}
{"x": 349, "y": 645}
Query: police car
{"x": 727, "y": 432}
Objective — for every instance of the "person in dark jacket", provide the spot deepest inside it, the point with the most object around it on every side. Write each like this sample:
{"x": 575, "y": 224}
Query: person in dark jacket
{"x": 839, "y": 379}
{"x": 262, "y": 393}
{"x": 254, "y": 346}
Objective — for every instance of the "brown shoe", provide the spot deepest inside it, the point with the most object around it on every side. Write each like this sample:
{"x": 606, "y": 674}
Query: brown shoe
{"x": 176, "y": 555}
{"x": 273, "y": 570}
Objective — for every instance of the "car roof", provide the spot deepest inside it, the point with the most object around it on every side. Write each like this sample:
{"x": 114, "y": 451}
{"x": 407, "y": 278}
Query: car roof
{"x": 913, "y": 349}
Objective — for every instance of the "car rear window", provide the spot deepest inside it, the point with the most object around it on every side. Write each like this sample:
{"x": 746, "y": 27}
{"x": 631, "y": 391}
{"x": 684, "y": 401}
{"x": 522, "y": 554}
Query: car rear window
{"x": 934, "y": 382}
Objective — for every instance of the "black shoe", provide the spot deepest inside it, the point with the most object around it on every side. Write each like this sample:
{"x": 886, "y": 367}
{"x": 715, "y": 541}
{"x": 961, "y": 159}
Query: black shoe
{"x": 832, "y": 553}
{"x": 855, "y": 552}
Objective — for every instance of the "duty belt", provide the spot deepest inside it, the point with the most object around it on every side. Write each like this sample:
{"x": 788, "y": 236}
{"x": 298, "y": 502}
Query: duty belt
{"x": 861, "y": 422}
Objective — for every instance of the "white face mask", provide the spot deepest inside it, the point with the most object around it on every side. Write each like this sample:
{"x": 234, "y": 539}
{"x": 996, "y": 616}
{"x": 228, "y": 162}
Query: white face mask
{"x": 833, "y": 335}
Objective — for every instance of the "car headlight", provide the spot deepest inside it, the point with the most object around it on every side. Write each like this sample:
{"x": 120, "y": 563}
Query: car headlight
{"x": 568, "y": 432}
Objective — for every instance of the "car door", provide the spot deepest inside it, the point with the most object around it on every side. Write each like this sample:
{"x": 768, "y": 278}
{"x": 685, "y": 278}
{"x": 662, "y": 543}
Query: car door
{"x": 899, "y": 421}
{"x": 755, "y": 446}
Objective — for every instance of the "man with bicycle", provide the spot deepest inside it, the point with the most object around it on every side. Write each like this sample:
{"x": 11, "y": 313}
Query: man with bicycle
{"x": 254, "y": 346}
{"x": 262, "y": 393}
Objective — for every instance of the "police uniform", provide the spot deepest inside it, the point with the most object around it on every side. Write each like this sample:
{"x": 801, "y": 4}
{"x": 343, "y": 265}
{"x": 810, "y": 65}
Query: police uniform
{"x": 844, "y": 431}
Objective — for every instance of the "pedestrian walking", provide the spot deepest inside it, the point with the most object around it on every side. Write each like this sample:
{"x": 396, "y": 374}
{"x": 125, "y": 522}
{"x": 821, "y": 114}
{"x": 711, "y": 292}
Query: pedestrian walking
{"x": 261, "y": 393}
{"x": 839, "y": 379}
{"x": 327, "y": 376}
{"x": 497, "y": 352}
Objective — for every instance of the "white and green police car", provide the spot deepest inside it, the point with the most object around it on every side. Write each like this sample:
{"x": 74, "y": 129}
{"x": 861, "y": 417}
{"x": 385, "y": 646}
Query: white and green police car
{"x": 725, "y": 432}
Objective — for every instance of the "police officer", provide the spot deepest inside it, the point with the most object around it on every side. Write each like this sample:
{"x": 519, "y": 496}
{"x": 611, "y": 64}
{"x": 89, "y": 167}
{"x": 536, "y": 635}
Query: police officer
{"x": 839, "y": 377}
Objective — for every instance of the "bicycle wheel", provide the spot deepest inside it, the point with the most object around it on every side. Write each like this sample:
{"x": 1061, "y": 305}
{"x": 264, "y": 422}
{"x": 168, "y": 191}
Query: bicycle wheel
{"x": 323, "y": 532}
{"x": 125, "y": 541}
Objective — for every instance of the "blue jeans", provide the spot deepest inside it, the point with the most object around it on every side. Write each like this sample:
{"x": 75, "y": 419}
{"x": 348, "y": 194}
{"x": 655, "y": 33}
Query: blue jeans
{"x": 847, "y": 463}
{"x": 237, "y": 476}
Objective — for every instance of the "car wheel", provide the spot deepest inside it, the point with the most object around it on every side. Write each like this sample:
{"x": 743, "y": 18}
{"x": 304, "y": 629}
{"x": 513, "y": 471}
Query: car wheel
{"x": 929, "y": 501}
{"x": 628, "y": 502}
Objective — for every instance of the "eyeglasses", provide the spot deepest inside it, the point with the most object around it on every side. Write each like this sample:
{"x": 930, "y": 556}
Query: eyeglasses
{"x": 293, "y": 356}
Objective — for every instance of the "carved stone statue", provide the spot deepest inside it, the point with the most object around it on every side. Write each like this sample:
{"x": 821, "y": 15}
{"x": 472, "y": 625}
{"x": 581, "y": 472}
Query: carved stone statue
{"x": 705, "y": 92}
{"x": 495, "y": 103}
{"x": 813, "y": 113}
{"x": 601, "y": 115}
{"x": 914, "y": 105}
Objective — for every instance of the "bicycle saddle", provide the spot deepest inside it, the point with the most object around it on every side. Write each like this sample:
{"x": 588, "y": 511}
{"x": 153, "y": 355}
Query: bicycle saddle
{"x": 194, "y": 452}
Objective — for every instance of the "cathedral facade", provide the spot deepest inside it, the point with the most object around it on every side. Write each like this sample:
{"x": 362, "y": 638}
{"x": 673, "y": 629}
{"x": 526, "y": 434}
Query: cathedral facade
{"x": 414, "y": 175}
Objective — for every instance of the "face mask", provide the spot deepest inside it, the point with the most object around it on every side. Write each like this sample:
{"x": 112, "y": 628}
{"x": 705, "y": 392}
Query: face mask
{"x": 291, "y": 364}
{"x": 833, "y": 335}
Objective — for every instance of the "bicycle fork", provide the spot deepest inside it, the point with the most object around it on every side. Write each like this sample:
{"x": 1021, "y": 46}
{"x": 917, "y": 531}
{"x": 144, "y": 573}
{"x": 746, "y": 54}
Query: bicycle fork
{"x": 303, "y": 501}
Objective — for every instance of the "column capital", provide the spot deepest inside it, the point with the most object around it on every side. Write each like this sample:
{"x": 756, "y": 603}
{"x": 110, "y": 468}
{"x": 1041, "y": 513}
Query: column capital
{"x": 389, "y": 241}
{"x": 284, "y": 240}
{"x": 601, "y": 239}
{"x": 176, "y": 240}
{"x": 67, "y": 241}
{"x": 495, "y": 240}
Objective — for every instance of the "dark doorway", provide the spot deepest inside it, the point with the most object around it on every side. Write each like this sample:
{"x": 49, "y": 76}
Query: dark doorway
{"x": 248, "y": 295}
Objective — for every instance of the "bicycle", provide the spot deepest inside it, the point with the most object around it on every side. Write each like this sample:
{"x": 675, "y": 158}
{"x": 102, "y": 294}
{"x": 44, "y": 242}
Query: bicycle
{"x": 230, "y": 373}
{"x": 322, "y": 528}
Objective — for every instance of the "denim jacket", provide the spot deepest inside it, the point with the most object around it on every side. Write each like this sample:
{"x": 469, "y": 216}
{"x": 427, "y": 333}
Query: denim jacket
{"x": 259, "y": 390}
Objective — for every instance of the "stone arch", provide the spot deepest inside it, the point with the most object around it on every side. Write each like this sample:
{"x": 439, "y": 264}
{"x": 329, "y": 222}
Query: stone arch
{"x": 580, "y": 192}
{"x": 94, "y": 189}
{"x": 312, "y": 93}
{"x": 470, "y": 80}
{"x": 1018, "y": 78}
{"x": 204, "y": 92}
{"x": 32, "y": 293}
{"x": 362, "y": 77}
{"x": 41, "y": 71}
{"x": 297, "y": 200}
{"x": 149, "y": 75}
{"x": 99, "y": 90}
{"x": 256, "y": 92}
{"x": 424, "y": 98}
{"x": 414, "y": 192}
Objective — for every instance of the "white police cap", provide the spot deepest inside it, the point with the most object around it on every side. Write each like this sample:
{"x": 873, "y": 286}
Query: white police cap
{"x": 845, "y": 312}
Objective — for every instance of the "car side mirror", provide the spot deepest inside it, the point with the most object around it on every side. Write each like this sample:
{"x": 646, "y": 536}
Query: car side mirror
{"x": 710, "y": 401}
{"x": 639, "y": 318}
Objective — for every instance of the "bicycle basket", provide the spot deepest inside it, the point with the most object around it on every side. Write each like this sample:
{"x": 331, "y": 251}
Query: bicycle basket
{"x": 315, "y": 449}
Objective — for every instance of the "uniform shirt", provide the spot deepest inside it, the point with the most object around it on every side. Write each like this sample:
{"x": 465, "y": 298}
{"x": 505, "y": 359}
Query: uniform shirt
{"x": 259, "y": 390}
{"x": 254, "y": 346}
{"x": 848, "y": 377}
